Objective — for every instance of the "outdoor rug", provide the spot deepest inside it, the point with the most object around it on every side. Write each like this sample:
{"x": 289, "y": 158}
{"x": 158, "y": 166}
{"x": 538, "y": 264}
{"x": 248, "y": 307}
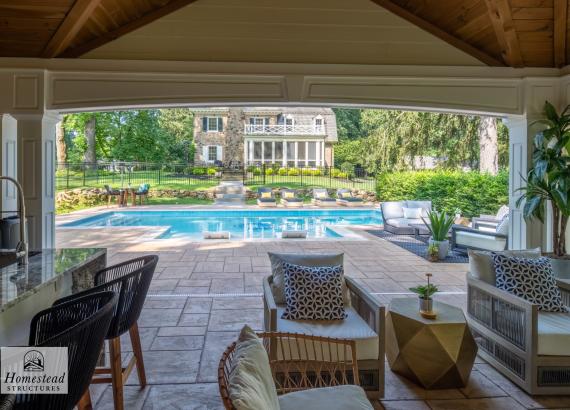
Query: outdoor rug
{"x": 417, "y": 247}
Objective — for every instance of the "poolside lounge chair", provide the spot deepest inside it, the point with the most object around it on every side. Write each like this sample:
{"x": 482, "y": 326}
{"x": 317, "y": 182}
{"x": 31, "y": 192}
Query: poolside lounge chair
{"x": 344, "y": 197}
{"x": 266, "y": 198}
{"x": 290, "y": 199}
{"x": 321, "y": 198}
{"x": 113, "y": 192}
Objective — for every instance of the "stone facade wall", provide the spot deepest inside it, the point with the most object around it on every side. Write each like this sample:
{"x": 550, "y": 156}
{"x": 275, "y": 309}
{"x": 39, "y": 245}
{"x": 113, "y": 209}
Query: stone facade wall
{"x": 203, "y": 137}
{"x": 233, "y": 147}
{"x": 329, "y": 157}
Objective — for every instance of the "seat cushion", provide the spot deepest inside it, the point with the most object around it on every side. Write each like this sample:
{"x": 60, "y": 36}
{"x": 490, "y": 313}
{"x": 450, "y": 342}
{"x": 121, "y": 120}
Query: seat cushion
{"x": 352, "y": 328}
{"x": 392, "y": 210}
{"x": 553, "y": 334}
{"x": 346, "y": 397}
{"x": 425, "y": 205}
{"x": 403, "y": 222}
{"x": 268, "y": 199}
{"x": 479, "y": 241}
{"x": 481, "y": 262}
{"x": 250, "y": 381}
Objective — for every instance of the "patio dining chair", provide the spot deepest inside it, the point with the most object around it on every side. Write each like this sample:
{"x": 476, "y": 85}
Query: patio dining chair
{"x": 131, "y": 280}
{"x": 80, "y": 325}
{"x": 142, "y": 193}
{"x": 111, "y": 193}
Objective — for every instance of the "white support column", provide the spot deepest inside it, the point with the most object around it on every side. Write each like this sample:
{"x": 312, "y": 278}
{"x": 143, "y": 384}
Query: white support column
{"x": 251, "y": 147}
{"x": 284, "y": 153}
{"x": 296, "y": 154}
{"x": 273, "y": 152}
{"x": 318, "y": 153}
{"x": 263, "y": 152}
{"x": 306, "y": 153}
{"x": 8, "y": 155}
{"x": 36, "y": 173}
{"x": 323, "y": 153}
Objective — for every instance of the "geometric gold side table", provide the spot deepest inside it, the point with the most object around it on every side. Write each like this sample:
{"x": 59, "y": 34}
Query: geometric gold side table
{"x": 436, "y": 354}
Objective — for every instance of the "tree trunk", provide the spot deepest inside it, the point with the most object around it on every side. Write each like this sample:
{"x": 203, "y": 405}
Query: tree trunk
{"x": 60, "y": 146}
{"x": 488, "y": 146}
{"x": 90, "y": 153}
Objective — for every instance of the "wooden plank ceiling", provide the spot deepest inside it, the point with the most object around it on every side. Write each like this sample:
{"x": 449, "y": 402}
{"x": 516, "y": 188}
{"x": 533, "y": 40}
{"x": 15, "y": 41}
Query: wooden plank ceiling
{"x": 516, "y": 33}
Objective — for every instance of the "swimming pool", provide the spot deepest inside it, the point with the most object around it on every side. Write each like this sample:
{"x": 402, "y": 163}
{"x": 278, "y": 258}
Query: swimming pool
{"x": 242, "y": 224}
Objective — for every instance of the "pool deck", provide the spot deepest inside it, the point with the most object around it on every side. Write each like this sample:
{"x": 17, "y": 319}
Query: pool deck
{"x": 204, "y": 292}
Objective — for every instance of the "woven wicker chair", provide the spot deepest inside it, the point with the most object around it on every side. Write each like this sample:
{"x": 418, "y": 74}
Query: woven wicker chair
{"x": 332, "y": 362}
{"x": 80, "y": 325}
{"x": 371, "y": 371}
{"x": 506, "y": 329}
{"x": 131, "y": 280}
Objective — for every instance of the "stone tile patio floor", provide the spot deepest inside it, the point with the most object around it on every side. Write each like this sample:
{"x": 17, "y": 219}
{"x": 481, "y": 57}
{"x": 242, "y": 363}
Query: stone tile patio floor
{"x": 203, "y": 293}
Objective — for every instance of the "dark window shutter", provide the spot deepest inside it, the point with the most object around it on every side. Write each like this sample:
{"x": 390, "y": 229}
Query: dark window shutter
{"x": 204, "y": 123}
{"x": 220, "y": 124}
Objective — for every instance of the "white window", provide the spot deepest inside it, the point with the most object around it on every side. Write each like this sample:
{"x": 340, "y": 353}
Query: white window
{"x": 212, "y": 153}
{"x": 213, "y": 124}
{"x": 259, "y": 121}
{"x": 319, "y": 124}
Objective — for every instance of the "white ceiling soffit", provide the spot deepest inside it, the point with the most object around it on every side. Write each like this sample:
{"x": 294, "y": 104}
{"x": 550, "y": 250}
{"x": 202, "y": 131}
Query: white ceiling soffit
{"x": 292, "y": 31}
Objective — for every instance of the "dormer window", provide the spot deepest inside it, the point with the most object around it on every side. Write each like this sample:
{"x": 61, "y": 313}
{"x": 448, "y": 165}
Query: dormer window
{"x": 319, "y": 124}
{"x": 213, "y": 124}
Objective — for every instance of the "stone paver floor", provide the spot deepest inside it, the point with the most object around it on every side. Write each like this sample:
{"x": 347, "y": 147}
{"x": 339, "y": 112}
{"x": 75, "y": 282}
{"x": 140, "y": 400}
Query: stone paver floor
{"x": 203, "y": 293}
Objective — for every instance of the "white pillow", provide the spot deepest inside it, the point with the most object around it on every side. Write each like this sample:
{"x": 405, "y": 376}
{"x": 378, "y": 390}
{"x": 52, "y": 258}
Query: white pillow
{"x": 503, "y": 226}
{"x": 412, "y": 213}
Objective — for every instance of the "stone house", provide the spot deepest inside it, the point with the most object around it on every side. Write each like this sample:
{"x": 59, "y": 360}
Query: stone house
{"x": 290, "y": 136}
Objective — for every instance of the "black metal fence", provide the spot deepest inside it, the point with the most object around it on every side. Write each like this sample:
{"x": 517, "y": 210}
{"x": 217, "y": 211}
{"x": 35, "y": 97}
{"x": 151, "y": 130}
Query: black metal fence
{"x": 195, "y": 177}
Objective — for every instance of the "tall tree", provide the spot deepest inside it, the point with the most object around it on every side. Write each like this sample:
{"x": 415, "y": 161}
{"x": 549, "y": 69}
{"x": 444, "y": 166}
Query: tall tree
{"x": 90, "y": 136}
{"x": 61, "y": 146}
{"x": 488, "y": 146}
{"x": 348, "y": 122}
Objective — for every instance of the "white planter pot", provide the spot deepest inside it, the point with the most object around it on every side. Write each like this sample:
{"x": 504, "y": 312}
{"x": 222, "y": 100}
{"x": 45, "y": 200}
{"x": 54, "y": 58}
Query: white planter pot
{"x": 443, "y": 247}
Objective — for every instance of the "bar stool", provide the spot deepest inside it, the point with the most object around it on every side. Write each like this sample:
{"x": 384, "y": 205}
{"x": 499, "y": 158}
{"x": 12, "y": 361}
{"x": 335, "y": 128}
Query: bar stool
{"x": 80, "y": 325}
{"x": 131, "y": 280}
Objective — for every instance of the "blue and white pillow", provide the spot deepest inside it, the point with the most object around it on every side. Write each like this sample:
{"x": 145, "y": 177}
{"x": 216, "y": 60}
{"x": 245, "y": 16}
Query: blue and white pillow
{"x": 313, "y": 292}
{"x": 530, "y": 279}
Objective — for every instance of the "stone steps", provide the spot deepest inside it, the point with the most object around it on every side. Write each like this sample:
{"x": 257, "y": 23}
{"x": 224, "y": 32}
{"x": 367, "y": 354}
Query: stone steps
{"x": 230, "y": 193}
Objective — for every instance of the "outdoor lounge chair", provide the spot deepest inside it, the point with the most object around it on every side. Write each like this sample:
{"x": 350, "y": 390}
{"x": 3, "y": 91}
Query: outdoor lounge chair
{"x": 529, "y": 347}
{"x": 321, "y": 198}
{"x": 364, "y": 324}
{"x": 490, "y": 222}
{"x": 394, "y": 217}
{"x": 290, "y": 199}
{"x": 464, "y": 238}
{"x": 344, "y": 197}
{"x": 266, "y": 198}
{"x": 113, "y": 193}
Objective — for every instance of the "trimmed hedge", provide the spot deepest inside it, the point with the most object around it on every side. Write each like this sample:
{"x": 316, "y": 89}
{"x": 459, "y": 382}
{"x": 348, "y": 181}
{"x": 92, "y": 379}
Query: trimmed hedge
{"x": 472, "y": 192}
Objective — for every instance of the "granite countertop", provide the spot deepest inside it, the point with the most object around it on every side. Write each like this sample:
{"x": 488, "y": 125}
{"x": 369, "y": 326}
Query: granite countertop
{"x": 18, "y": 282}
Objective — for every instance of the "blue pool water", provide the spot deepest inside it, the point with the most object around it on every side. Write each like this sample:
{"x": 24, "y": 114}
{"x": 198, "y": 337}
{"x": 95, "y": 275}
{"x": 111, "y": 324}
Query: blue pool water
{"x": 242, "y": 224}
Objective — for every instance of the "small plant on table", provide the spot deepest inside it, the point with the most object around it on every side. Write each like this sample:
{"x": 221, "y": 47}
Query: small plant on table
{"x": 425, "y": 293}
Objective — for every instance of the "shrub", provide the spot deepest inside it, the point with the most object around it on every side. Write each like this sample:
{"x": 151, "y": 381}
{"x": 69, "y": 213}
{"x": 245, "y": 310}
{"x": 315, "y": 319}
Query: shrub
{"x": 256, "y": 171}
{"x": 269, "y": 171}
{"x": 282, "y": 172}
{"x": 317, "y": 173}
{"x": 472, "y": 192}
{"x": 293, "y": 172}
{"x": 306, "y": 171}
{"x": 335, "y": 173}
{"x": 250, "y": 168}
{"x": 342, "y": 175}
{"x": 211, "y": 171}
{"x": 199, "y": 171}
{"x": 347, "y": 168}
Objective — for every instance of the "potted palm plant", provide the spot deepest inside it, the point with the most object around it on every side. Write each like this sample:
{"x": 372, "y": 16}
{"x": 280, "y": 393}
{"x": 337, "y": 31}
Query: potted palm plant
{"x": 425, "y": 293}
{"x": 439, "y": 225}
{"x": 548, "y": 183}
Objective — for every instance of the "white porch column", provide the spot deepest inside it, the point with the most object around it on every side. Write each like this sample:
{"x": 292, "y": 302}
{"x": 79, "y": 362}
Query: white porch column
{"x": 284, "y": 153}
{"x": 306, "y": 153}
{"x": 273, "y": 152}
{"x": 263, "y": 152}
{"x": 296, "y": 154}
{"x": 36, "y": 173}
{"x": 251, "y": 147}
{"x": 318, "y": 153}
{"x": 8, "y": 155}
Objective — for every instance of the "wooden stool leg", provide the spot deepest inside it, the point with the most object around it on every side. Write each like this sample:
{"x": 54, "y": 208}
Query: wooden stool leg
{"x": 85, "y": 401}
{"x": 137, "y": 351}
{"x": 116, "y": 372}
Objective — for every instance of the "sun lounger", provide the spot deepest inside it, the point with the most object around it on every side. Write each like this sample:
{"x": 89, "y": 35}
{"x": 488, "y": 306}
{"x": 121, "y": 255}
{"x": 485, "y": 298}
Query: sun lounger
{"x": 345, "y": 198}
{"x": 321, "y": 198}
{"x": 290, "y": 199}
{"x": 266, "y": 198}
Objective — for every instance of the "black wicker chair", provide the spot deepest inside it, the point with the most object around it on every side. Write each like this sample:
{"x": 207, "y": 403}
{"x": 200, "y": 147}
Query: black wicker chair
{"x": 80, "y": 325}
{"x": 131, "y": 280}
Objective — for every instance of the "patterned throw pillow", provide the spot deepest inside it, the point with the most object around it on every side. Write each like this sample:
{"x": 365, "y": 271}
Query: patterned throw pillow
{"x": 313, "y": 292}
{"x": 530, "y": 279}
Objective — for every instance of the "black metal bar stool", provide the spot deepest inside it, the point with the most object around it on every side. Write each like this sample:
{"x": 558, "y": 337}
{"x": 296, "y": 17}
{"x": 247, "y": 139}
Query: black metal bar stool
{"x": 131, "y": 280}
{"x": 80, "y": 325}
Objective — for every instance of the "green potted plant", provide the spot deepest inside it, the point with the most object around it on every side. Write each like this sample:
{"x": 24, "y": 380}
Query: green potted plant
{"x": 548, "y": 182}
{"x": 433, "y": 252}
{"x": 439, "y": 225}
{"x": 425, "y": 294}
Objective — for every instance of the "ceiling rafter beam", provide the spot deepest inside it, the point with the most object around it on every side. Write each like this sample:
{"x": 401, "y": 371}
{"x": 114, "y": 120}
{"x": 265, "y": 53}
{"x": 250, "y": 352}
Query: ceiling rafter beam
{"x": 502, "y": 20}
{"x": 126, "y": 28}
{"x": 560, "y": 27}
{"x": 69, "y": 27}
{"x": 439, "y": 33}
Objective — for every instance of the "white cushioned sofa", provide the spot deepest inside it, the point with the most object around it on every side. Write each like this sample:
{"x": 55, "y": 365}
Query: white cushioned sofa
{"x": 399, "y": 215}
{"x": 530, "y": 347}
{"x": 364, "y": 324}
{"x": 464, "y": 238}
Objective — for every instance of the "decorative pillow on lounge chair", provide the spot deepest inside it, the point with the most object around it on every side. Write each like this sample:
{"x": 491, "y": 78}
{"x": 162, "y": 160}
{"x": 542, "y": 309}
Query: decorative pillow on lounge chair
{"x": 481, "y": 262}
{"x": 345, "y": 195}
{"x": 266, "y": 194}
{"x": 288, "y": 195}
{"x": 412, "y": 213}
{"x": 530, "y": 279}
{"x": 313, "y": 292}
{"x": 251, "y": 383}
{"x": 320, "y": 195}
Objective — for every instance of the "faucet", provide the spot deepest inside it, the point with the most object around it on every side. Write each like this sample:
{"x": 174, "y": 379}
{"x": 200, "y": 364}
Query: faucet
{"x": 22, "y": 247}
